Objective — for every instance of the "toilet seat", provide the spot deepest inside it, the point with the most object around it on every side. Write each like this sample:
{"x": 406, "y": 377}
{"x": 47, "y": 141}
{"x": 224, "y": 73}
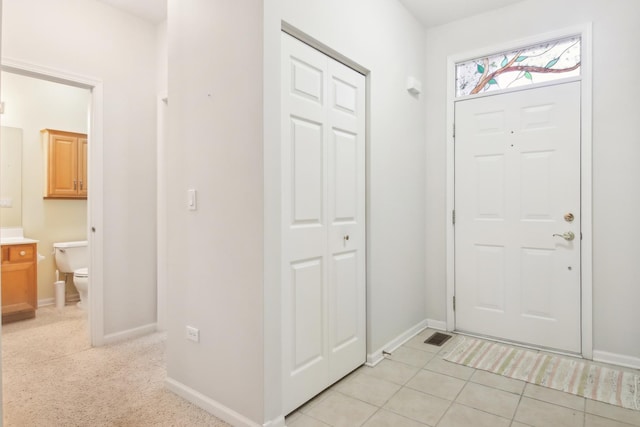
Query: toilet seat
{"x": 81, "y": 272}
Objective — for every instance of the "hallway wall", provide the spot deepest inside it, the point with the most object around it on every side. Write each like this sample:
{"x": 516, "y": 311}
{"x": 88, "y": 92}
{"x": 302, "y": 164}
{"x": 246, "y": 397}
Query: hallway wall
{"x": 215, "y": 276}
{"x": 615, "y": 151}
{"x": 224, "y": 142}
{"x": 384, "y": 38}
{"x": 89, "y": 38}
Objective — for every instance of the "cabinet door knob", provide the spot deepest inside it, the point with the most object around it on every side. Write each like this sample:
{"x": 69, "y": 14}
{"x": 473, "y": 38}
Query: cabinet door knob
{"x": 23, "y": 253}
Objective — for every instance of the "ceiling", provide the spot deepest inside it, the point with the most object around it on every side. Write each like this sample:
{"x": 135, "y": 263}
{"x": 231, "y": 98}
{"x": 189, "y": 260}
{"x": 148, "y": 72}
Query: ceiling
{"x": 437, "y": 12}
{"x": 430, "y": 12}
{"x": 150, "y": 10}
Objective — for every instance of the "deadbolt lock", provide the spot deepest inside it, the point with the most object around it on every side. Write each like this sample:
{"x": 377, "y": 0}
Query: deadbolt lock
{"x": 569, "y": 217}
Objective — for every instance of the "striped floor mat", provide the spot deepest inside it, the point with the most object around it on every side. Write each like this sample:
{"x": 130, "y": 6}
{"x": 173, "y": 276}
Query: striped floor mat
{"x": 567, "y": 374}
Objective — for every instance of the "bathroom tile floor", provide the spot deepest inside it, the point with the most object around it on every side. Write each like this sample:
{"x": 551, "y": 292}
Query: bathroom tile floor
{"x": 415, "y": 387}
{"x": 52, "y": 377}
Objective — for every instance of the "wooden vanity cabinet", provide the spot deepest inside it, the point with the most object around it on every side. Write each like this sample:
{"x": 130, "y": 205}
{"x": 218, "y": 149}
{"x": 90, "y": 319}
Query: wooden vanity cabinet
{"x": 65, "y": 157}
{"x": 19, "y": 282}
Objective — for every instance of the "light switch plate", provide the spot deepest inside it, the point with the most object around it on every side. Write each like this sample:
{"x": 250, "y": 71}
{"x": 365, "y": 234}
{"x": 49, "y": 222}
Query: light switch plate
{"x": 192, "y": 200}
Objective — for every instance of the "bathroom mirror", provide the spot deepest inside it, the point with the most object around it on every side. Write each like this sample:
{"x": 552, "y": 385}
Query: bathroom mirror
{"x": 10, "y": 177}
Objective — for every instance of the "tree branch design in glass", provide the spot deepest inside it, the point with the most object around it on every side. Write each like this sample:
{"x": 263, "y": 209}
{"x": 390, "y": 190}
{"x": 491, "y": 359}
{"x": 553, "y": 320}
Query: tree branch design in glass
{"x": 534, "y": 64}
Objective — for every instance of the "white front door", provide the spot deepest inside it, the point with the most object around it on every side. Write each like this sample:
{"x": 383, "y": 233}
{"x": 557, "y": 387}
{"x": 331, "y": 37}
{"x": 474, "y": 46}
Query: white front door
{"x": 517, "y": 181}
{"x": 323, "y": 221}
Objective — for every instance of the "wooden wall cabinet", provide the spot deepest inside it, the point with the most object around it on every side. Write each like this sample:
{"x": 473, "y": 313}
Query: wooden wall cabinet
{"x": 65, "y": 157}
{"x": 19, "y": 282}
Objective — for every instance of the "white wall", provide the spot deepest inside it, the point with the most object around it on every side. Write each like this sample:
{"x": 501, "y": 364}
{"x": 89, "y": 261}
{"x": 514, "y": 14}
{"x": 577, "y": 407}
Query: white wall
{"x": 162, "y": 57}
{"x": 384, "y": 38}
{"x": 220, "y": 278}
{"x": 215, "y": 277}
{"x": 32, "y": 105}
{"x": 616, "y": 150}
{"x": 89, "y": 38}
{"x": 162, "y": 161}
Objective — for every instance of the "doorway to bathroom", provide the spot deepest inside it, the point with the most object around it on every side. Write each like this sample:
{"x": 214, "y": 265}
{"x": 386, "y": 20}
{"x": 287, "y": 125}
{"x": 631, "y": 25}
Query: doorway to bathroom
{"x": 52, "y": 119}
{"x": 88, "y": 118}
{"x": 37, "y": 98}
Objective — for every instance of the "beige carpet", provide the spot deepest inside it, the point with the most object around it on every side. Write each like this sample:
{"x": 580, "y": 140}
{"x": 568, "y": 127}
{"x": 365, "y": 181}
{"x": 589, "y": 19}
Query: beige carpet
{"x": 52, "y": 377}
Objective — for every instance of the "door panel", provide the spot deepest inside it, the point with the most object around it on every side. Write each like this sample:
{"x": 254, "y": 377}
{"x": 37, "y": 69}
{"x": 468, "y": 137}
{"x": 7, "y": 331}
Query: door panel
{"x": 323, "y": 228}
{"x": 490, "y": 285}
{"x": 346, "y": 205}
{"x": 307, "y": 301}
{"x": 345, "y": 268}
{"x": 537, "y": 280}
{"x": 490, "y": 187}
{"x": 517, "y": 172}
{"x": 307, "y": 80}
{"x": 308, "y": 190}
{"x": 536, "y": 186}
{"x": 345, "y": 161}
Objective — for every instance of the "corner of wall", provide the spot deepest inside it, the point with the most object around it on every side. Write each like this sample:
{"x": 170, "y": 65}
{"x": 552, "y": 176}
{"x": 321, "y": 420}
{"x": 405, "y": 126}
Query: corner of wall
{"x": 213, "y": 407}
{"x": 378, "y": 355}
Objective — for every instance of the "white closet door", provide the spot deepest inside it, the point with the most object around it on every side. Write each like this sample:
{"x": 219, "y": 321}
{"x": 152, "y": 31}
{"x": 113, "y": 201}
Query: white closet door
{"x": 323, "y": 228}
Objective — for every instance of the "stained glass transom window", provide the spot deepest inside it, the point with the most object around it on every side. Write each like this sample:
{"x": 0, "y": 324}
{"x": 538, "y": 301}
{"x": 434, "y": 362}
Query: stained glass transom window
{"x": 534, "y": 64}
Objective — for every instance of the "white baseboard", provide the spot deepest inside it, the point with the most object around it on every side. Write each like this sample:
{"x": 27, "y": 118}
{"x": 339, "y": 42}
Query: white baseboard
{"x": 46, "y": 301}
{"x": 215, "y": 408}
{"x": 437, "y": 324}
{"x": 278, "y": 422}
{"x": 374, "y": 358}
{"x": 130, "y": 333}
{"x": 377, "y": 356}
{"x": 616, "y": 359}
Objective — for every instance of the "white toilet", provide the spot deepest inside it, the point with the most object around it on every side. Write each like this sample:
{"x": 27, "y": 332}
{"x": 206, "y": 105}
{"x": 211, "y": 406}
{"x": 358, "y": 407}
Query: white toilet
{"x": 73, "y": 257}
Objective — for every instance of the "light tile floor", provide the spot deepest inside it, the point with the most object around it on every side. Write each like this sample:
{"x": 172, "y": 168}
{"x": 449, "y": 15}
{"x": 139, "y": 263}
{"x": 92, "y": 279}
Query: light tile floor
{"x": 415, "y": 387}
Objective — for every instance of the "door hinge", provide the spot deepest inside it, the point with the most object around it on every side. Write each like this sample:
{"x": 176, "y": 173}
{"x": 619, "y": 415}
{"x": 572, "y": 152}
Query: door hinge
{"x": 453, "y": 217}
{"x": 454, "y": 303}
{"x": 454, "y": 130}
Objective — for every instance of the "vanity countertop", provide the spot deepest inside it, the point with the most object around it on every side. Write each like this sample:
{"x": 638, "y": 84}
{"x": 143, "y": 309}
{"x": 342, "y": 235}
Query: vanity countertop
{"x": 16, "y": 241}
{"x": 14, "y": 236}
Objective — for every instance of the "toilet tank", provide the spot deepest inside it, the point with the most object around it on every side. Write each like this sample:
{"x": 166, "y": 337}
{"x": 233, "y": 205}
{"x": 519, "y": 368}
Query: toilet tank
{"x": 71, "y": 256}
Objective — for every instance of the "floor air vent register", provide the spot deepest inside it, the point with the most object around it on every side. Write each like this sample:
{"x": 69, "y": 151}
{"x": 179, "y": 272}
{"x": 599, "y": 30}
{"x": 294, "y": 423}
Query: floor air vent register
{"x": 438, "y": 339}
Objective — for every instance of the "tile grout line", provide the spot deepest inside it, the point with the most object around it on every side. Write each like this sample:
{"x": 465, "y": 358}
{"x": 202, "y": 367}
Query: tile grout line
{"x": 515, "y": 412}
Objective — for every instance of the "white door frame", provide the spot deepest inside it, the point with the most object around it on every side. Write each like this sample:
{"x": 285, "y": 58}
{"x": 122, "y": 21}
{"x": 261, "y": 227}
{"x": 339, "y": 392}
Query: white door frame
{"x": 161, "y": 215}
{"x": 585, "y": 170}
{"x": 95, "y": 200}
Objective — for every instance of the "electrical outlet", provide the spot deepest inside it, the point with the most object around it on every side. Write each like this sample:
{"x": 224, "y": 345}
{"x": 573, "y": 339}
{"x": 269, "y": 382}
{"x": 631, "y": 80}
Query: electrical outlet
{"x": 193, "y": 334}
{"x": 6, "y": 203}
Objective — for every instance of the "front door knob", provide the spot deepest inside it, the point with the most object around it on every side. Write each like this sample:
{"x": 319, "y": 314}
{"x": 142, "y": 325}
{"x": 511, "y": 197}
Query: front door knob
{"x": 568, "y": 236}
